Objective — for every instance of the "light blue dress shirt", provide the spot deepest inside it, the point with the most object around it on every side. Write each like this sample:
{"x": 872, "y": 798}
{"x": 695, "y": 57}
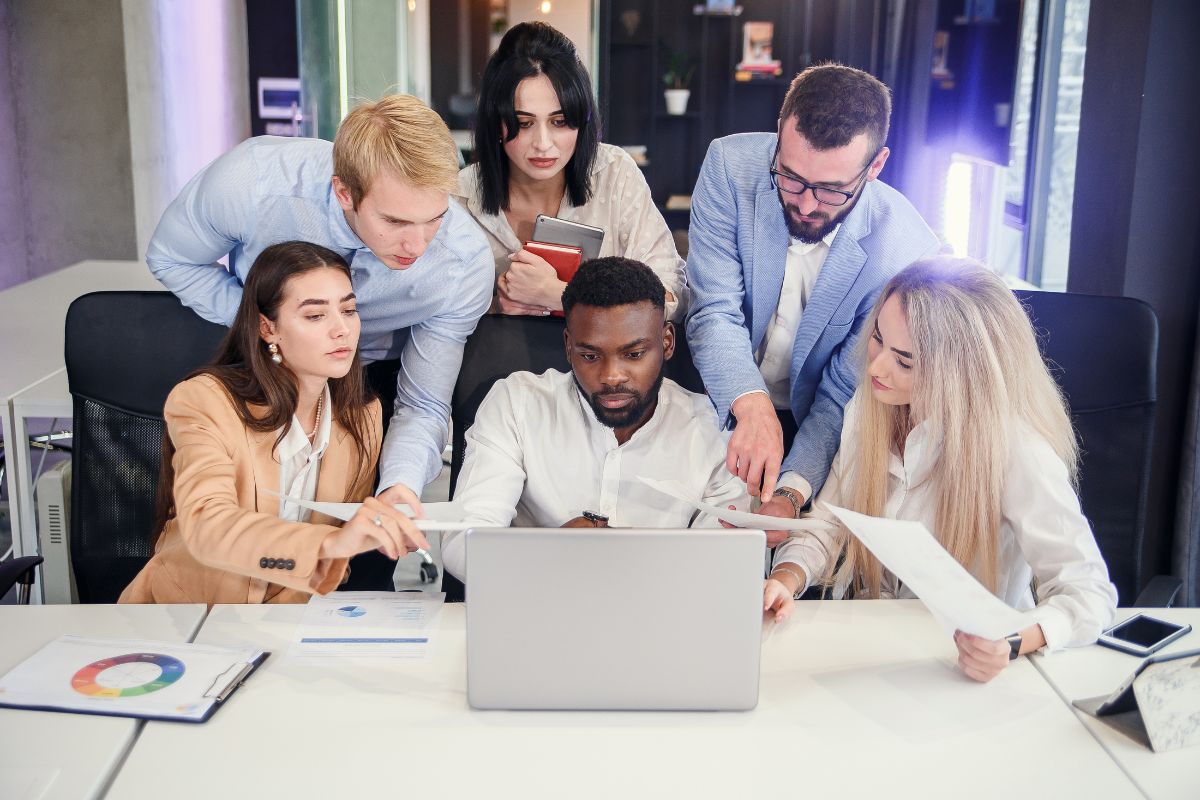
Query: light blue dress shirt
{"x": 269, "y": 190}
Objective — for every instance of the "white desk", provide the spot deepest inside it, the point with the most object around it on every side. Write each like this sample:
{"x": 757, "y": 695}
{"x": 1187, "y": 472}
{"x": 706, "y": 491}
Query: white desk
{"x": 32, "y": 317}
{"x": 858, "y": 699}
{"x": 1091, "y": 671}
{"x": 50, "y": 755}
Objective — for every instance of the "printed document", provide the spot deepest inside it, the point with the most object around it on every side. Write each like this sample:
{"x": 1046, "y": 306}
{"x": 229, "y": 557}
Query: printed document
{"x": 742, "y": 519}
{"x": 369, "y": 624}
{"x": 955, "y": 598}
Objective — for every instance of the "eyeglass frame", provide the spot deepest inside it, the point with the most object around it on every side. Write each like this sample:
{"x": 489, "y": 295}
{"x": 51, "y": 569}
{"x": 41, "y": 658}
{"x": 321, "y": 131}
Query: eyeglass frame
{"x": 848, "y": 196}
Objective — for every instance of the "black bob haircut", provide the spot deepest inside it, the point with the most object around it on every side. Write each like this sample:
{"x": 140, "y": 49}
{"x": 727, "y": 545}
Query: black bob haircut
{"x": 613, "y": 281}
{"x": 528, "y": 50}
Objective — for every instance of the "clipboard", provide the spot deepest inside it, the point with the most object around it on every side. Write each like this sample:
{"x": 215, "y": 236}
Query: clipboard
{"x": 138, "y": 679}
{"x": 1157, "y": 705}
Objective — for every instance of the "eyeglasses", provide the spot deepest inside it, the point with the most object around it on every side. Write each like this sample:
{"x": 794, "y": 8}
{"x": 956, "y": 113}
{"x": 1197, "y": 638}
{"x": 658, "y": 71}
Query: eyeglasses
{"x": 823, "y": 194}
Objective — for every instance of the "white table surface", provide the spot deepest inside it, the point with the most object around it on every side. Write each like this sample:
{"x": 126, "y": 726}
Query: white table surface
{"x": 50, "y": 755}
{"x": 1091, "y": 671}
{"x": 858, "y": 699}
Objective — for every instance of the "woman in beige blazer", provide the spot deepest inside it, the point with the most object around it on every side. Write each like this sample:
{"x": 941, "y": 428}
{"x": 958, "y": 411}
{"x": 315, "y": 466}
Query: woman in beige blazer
{"x": 283, "y": 410}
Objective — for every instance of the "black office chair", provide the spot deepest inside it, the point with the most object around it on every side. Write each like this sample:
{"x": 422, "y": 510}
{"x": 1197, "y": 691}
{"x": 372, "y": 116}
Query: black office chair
{"x": 1103, "y": 352}
{"x": 124, "y": 353}
{"x": 502, "y": 345}
{"x": 18, "y": 572}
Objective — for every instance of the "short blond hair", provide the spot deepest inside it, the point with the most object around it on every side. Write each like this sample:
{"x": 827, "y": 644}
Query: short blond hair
{"x": 400, "y": 134}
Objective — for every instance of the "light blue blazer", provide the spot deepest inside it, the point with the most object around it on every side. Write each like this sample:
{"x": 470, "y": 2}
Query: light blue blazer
{"x": 737, "y": 249}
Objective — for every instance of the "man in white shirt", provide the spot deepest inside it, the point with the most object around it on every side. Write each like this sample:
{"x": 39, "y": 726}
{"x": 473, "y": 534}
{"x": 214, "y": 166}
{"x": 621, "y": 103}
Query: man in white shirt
{"x": 566, "y": 449}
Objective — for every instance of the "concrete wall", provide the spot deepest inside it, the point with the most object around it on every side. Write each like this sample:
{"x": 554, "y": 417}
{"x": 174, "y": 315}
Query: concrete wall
{"x": 188, "y": 95}
{"x": 65, "y": 188}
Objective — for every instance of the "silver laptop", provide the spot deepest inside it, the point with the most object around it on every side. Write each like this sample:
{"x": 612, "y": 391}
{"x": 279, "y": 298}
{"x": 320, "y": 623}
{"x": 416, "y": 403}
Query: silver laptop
{"x": 614, "y": 618}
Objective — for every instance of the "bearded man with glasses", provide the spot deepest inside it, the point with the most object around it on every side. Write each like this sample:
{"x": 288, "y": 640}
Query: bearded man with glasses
{"x": 792, "y": 237}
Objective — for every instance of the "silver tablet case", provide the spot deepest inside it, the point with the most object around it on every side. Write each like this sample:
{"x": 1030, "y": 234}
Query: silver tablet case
{"x": 614, "y": 618}
{"x": 560, "y": 231}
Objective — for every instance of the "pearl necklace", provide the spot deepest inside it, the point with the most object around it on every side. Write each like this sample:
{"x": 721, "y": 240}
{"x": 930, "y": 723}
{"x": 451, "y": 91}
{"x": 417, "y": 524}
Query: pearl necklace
{"x": 317, "y": 422}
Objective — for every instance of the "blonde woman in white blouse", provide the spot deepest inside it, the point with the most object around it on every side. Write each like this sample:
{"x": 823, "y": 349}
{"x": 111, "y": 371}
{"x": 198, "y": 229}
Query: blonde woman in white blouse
{"x": 538, "y": 150}
{"x": 958, "y": 425}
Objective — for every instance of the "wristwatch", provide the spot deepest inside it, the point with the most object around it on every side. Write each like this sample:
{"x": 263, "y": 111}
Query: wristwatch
{"x": 597, "y": 520}
{"x": 1014, "y": 646}
{"x": 789, "y": 494}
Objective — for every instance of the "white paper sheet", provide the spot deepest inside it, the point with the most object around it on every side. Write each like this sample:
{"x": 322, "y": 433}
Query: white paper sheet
{"x": 438, "y": 516}
{"x": 955, "y": 598}
{"x": 369, "y": 625}
{"x": 742, "y": 519}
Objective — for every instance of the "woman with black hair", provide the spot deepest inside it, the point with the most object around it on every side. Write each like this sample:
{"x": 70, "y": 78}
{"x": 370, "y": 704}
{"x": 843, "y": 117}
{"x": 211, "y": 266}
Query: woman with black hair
{"x": 538, "y": 150}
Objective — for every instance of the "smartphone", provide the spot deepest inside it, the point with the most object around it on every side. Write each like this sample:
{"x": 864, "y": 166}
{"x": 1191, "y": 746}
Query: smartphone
{"x": 1142, "y": 635}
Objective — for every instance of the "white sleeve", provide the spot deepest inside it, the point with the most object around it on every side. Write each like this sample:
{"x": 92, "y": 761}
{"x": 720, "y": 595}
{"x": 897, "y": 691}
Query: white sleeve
{"x": 492, "y": 479}
{"x": 813, "y": 550}
{"x": 1076, "y": 600}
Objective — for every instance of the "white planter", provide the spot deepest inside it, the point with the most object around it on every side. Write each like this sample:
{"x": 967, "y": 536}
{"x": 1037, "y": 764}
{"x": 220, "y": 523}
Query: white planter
{"x": 677, "y": 100}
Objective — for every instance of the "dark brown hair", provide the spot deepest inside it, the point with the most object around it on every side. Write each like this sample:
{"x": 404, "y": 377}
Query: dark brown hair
{"x": 264, "y": 393}
{"x": 832, "y": 104}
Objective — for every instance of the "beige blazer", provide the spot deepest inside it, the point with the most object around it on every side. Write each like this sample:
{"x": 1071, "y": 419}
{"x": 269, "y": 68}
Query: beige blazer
{"x": 226, "y": 525}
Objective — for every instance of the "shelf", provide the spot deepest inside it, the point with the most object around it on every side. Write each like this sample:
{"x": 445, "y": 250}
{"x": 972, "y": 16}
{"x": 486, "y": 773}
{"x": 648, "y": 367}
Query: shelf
{"x": 704, "y": 11}
{"x": 779, "y": 81}
{"x": 687, "y": 115}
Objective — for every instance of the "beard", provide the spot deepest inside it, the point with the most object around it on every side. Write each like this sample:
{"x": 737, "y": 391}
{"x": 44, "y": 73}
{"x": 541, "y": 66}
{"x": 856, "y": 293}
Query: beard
{"x": 622, "y": 417}
{"x": 812, "y": 232}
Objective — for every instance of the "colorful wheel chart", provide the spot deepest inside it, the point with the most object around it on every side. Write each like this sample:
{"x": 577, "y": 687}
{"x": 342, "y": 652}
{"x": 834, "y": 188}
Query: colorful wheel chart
{"x": 129, "y": 675}
{"x": 351, "y": 611}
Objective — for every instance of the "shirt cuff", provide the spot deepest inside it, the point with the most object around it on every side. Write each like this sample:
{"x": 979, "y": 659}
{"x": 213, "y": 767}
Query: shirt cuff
{"x": 1056, "y": 628}
{"x": 743, "y": 394}
{"x": 793, "y": 480}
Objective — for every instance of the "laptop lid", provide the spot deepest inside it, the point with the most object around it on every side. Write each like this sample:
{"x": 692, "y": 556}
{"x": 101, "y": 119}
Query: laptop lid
{"x": 599, "y": 618}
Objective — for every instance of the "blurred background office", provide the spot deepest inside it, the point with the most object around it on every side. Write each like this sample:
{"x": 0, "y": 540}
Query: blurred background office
{"x": 1051, "y": 139}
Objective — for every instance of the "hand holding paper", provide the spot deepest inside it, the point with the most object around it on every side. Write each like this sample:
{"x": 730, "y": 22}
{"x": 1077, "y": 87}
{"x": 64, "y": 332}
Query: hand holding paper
{"x": 741, "y": 519}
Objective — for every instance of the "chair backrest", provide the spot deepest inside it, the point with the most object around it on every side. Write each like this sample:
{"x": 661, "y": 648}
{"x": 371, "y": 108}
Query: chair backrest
{"x": 1103, "y": 351}
{"x": 124, "y": 353}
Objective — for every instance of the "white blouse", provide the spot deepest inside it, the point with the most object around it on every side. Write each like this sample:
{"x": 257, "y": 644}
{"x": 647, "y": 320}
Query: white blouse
{"x": 300, "y": 463}
{"x": 621, "y": 205}
{"x": 1045, "y": 541}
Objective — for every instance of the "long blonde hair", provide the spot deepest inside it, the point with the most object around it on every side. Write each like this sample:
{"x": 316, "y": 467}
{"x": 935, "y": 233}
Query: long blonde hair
{"x": 976, "y": 371}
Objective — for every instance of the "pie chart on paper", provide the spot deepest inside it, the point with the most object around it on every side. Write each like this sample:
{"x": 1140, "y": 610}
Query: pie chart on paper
{"x": 351, "y": 611}
{"x": 129, "y": 675}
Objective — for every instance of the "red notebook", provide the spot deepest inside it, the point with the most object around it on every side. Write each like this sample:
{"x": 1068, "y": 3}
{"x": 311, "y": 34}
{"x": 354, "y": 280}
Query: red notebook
{"x": 564, "y": 258}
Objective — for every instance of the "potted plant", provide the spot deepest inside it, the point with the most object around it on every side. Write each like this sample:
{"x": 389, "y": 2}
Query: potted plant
{"x": 677, "y": 78}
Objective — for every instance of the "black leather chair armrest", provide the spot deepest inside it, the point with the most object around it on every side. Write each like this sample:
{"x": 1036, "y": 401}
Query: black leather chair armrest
{"x": 1160, "y": 592}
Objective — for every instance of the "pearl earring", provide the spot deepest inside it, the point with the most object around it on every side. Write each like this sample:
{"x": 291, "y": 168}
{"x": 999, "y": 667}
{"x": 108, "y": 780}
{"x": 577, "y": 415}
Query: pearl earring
{"x": 273, "y": 349}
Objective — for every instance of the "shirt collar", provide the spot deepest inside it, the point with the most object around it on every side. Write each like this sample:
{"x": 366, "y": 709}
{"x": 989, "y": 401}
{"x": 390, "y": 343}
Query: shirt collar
{"x": 342, "y": 235}
{"x": 804, "y": 248}
{"x": 295, "y": 441}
